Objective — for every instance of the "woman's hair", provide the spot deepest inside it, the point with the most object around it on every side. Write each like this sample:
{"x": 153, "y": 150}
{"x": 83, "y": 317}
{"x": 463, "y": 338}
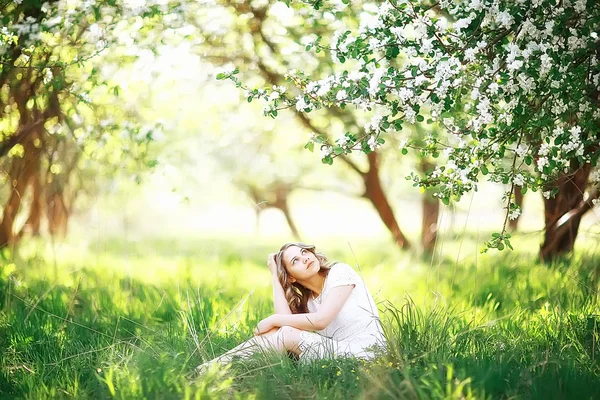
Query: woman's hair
{"x": 296, "y": 294}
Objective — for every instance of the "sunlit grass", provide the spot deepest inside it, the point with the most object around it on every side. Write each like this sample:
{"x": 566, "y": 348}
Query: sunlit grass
{"x": 131, "y": 320}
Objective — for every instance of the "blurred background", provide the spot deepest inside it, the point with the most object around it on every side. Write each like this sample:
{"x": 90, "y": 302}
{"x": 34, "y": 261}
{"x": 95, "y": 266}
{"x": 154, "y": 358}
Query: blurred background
{"x": 142, "y": 141}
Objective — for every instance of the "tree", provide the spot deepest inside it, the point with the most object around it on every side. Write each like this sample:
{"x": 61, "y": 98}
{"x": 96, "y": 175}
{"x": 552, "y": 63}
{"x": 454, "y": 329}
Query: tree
{"x": 59, "y": 116}
{"x": 260, "y": 161}
{"x": 253, "y": 41}
{"x": 505, "y": 79}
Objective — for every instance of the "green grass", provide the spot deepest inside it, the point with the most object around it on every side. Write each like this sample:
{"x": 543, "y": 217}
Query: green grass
{"x": 131, "y": 320}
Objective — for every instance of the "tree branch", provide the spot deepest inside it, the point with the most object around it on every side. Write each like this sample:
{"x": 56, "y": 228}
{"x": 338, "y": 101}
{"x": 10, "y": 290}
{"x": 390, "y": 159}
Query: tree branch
{"x": 21, "y": 134}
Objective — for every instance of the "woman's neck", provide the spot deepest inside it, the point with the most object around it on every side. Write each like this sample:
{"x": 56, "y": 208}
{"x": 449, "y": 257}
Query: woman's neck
{"x": 314, "y": 284}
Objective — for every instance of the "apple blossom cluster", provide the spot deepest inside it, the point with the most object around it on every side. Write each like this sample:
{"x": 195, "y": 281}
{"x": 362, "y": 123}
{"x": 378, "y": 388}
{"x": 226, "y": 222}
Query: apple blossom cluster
{"x": 499, "y": 79}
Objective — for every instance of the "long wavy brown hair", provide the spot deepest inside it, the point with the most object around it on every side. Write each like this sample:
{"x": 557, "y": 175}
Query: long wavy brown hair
{"x": 296, "y": 294}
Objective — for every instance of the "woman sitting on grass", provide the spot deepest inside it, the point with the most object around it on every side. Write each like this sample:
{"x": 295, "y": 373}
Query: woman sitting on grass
{"x": 322, "y": 310}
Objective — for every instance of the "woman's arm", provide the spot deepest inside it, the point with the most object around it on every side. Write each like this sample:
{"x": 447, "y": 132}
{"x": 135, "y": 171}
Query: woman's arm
{"x": 279, "y": 300}
{"x": 310, "y": 321}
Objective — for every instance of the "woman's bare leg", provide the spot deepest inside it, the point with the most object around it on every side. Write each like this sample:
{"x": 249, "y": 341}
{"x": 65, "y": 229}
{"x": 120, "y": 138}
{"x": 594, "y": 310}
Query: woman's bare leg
{"x": 281, "y": 339}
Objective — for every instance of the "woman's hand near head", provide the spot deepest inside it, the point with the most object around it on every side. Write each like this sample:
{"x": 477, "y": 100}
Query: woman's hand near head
{"x": 279, "y": 300}
{"x": 272, "y": 264}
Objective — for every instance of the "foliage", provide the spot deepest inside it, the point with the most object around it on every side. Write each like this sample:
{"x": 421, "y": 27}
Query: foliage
{"x": 64, "y": 122}
{"x": 122, "y": 322}
{"x": 503, "y": 79}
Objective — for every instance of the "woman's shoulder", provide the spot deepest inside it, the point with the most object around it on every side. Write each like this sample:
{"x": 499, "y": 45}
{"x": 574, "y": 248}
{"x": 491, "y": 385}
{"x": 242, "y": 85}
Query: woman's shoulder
{"x": 342, "y": 273}
{"x": 340, "y": 266}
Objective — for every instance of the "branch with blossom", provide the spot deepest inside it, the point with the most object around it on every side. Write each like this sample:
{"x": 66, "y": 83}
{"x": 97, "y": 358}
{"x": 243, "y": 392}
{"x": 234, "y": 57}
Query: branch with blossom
{"x": 501, "y": 79}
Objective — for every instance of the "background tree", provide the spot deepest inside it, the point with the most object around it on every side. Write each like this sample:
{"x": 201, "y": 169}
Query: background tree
{"x": 60, "y": 110}
{"x": 255, "y": 41}
{"x": 505, "y": 81}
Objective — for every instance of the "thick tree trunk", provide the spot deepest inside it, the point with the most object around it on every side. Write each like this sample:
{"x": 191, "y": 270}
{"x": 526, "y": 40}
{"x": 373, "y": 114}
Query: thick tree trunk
{"x": 58, "y": 215}
{"x": 375, "y": 193}
{"x": 563, "y": 213}
{"x": 514, "y": 223}
{"x": 430, "y": 214}
{"x": 33, "y": 224}
{"x": 22, "y": 171}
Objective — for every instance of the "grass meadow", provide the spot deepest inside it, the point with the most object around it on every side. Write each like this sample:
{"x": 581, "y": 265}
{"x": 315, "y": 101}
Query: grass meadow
{"x": 130, "y": 320}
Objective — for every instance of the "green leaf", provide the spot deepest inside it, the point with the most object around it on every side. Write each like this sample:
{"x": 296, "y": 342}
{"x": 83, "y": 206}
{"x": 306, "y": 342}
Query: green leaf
{"x": 420, "y": 118}
{"x": 310, "y": 146}
{"x": 484, "y": 170}
{"x": 446, "y": 200}
{"x": 500, "y": 246}
{"x": 404, "y": 151}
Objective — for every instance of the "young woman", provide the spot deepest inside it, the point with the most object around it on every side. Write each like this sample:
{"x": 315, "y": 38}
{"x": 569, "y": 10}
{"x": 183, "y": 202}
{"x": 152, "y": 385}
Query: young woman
{"x": 322, "y": 310}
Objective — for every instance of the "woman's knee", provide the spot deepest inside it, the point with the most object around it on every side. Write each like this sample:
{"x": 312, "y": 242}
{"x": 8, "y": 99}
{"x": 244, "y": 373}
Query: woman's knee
{"x": 289, "y": 337}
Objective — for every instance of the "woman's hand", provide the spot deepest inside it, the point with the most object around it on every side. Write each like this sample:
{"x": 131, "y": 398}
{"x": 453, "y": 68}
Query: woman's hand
{"x": 265, "y": 325}
{"x": 272, "y": 264}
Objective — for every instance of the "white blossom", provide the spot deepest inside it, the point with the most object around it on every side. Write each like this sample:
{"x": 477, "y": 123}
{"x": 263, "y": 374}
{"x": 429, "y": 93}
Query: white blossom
{"x": 301, "y": 104}
{"x": 505, "y": 19}
{"x": 519, "y": 180}
{"x": 514, "y": 214}
{"x": 521, "y": 150}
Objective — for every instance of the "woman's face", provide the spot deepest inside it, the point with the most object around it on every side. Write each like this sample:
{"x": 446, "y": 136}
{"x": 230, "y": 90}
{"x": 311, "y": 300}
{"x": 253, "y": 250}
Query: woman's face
{"x": 300, "y": 263}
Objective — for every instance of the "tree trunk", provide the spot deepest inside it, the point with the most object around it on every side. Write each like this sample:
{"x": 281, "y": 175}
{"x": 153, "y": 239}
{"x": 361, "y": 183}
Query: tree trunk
{"x": 281, "y": 202}
{"x": 375, "y": 193}
{"x": 33, "y": 224}
{"x": 514, "y": 223}
{"x": 563, "y": 213}
{"x": 58, "y": 215}
{"x": 21, "y": 172}
{"x": 430, "y": 214}
{"x": 290, "y": 221}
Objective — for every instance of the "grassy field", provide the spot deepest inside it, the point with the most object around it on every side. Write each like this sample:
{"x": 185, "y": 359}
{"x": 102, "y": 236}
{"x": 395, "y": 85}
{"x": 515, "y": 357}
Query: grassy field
{"x": 128, "y": 320}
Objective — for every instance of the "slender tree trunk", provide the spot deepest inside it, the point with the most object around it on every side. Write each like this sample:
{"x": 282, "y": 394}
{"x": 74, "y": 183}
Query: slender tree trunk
{"x": 257, "y": 212}
{"x": 281, "y": 202}
{"x": 375, "y": 193}
{"x": 431, "y": 211}
{"x": 514, "y": 223}
{"x": 58, "y": 215}
{"x": 562, "y": 214}
{"x": 288, "y": 217}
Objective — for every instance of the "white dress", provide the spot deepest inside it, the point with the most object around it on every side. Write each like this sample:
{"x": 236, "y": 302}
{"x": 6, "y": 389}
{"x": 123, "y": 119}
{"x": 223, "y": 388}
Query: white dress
{"x": 356, "y": 329}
